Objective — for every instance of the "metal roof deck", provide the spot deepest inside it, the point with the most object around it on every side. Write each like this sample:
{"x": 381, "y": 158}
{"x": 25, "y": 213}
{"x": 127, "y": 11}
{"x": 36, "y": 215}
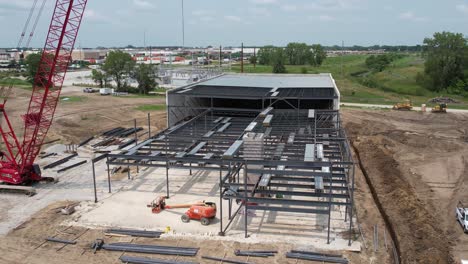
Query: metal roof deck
{"x": 263, "y": 86}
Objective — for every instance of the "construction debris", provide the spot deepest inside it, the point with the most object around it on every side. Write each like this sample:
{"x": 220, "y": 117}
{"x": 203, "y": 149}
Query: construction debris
{"x": 151, "y": 249}
{"x": 135, "y": 233}
{"x": 97, "y": 245}
{"x": 443, "y": 100}
{"x": 137, "y": 260}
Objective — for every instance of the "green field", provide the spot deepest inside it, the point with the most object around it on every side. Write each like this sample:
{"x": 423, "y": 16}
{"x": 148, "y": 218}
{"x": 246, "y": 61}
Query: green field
{"x": 358, "y": 85}
{"x": 146, "y": 108}
{"x": 7, "y": 81}
{"x": 72, "y": 99}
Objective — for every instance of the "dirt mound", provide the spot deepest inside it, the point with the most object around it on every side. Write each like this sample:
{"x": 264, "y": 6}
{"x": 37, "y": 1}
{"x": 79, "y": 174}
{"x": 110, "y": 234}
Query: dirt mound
{"x": 419, "y": 236}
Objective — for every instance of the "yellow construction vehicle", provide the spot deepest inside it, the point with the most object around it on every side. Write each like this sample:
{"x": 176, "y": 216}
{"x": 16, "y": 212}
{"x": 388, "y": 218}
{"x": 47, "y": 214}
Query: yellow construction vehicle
{"x": 440, "y": 108}
{"x": 407, "y": 105}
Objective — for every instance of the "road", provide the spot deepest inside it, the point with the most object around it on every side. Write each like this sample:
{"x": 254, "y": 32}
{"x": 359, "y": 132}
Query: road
{"x": 390, "y": 106}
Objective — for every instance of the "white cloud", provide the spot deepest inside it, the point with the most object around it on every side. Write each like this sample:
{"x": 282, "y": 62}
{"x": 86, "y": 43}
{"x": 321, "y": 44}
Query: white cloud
{"x": 233, "y": 18}
{"x": 326, "y": 18}
{"x": 93, "y": 15}
{"x": 410, "y": 16}
{"x": 289, "y": 7}
{"x": 264, "y": 2}
{"x": 462, "y": 8}
{"x": 143, "y": 4}
{"x": 330, "y": 5}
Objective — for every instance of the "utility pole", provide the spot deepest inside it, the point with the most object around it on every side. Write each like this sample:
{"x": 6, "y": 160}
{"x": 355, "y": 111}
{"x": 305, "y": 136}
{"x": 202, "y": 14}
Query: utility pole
{"x": 255, "y": 55}
{"x": 242, "y": 57}
{"x": 220, "y": 51}
{"x": 183, "y": 26}
{"x": 342, "y": 53}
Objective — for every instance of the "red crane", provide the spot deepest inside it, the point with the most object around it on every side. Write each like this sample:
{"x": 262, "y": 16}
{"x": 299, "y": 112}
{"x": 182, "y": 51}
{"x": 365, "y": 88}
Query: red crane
{"x": 17, "y": 162}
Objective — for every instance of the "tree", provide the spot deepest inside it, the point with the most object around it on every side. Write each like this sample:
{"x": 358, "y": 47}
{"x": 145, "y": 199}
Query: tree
{"x": 298, "y": 53}
{"x": 318, "y": 55}
{"x": 446, "y": 57}
{"x": 145, "y": 76}
{"x": 278, "y": 60}
{"x": 32, "y": 61}
{"x": 100, "y": 78}
{"x": 118, "y": 66}
{"x": 265, "y": 55}
{"x": 378, "y": 63}
{"x": 253, "y": 60}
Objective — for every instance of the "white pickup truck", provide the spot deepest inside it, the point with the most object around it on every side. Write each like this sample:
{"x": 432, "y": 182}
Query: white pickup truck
{"x": 462, "y": 216}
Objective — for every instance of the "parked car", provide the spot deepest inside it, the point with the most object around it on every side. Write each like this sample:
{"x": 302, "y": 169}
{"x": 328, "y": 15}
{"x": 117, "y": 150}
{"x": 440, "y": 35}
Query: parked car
{"x": 89, "y": 90}
{"x": 462, "y": 216}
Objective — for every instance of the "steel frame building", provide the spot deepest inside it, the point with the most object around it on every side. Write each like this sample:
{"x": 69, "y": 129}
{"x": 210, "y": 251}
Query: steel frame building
{"x": 272, "y": 155}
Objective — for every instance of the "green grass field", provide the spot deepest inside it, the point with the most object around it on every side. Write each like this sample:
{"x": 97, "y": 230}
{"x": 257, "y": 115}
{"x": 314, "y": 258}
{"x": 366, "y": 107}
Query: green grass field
{"x": 72, "y": 99}
{"x": 147, "y": 108}
{"x": 358, "y": 85}
{"x": 15, "y": 82}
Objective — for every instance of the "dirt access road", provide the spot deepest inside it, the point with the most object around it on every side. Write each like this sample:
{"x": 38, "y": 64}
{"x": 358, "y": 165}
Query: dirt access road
{"x": 417, "y": 165}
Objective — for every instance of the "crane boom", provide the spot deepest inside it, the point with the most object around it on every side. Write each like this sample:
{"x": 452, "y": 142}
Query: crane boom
{"x": 56, "y": 56}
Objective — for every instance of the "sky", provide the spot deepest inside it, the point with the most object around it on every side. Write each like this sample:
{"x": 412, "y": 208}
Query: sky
{"x": 112, "y": 23}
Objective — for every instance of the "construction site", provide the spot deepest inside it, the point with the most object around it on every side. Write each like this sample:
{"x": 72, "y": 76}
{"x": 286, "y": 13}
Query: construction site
{"x": 228, "y": 168}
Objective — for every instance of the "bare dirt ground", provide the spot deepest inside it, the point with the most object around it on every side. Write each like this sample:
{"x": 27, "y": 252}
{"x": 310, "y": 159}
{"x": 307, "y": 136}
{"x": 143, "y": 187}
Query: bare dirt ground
{"x": 416, "y": 163}
{"x": 76, "y": 120}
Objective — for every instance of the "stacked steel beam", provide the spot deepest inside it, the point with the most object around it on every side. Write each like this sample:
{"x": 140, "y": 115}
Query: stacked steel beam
{"x": 256, "y": 253}
{"x": 137, "y": 260}
{"x": 135, "y": 233}
{"x": 151, "y": 249}
{"x": 314, "y": 256}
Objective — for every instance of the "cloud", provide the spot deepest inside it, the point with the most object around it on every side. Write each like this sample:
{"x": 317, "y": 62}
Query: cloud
{"x": 333, "y": 5}
{"x": 326, "y": 18}
{"x": 463, "y": 8}
{"x": 93, "y": 15}
{"x": 143, "y": 4}
{"x": 233, "y": 18}
{"x": 410, "y": 16}
{"x": 264, "y": 2}
{"x": 288, "y": 7}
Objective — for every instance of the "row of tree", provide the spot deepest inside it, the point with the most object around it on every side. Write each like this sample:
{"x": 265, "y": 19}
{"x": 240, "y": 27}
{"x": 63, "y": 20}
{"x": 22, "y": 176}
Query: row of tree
{"x": 293, "y": 54}
{"x": 120, "y": 67}
{"x": 446, "y": 63}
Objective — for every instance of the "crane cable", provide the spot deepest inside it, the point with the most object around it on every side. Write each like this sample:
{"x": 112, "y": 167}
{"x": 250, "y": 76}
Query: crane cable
{"x": 35, "y": 23}
{"x": 26, "y": 25}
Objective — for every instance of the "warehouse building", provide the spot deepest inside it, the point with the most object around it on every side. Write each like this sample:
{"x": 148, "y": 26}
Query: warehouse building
{"x": 276, "y": 141}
